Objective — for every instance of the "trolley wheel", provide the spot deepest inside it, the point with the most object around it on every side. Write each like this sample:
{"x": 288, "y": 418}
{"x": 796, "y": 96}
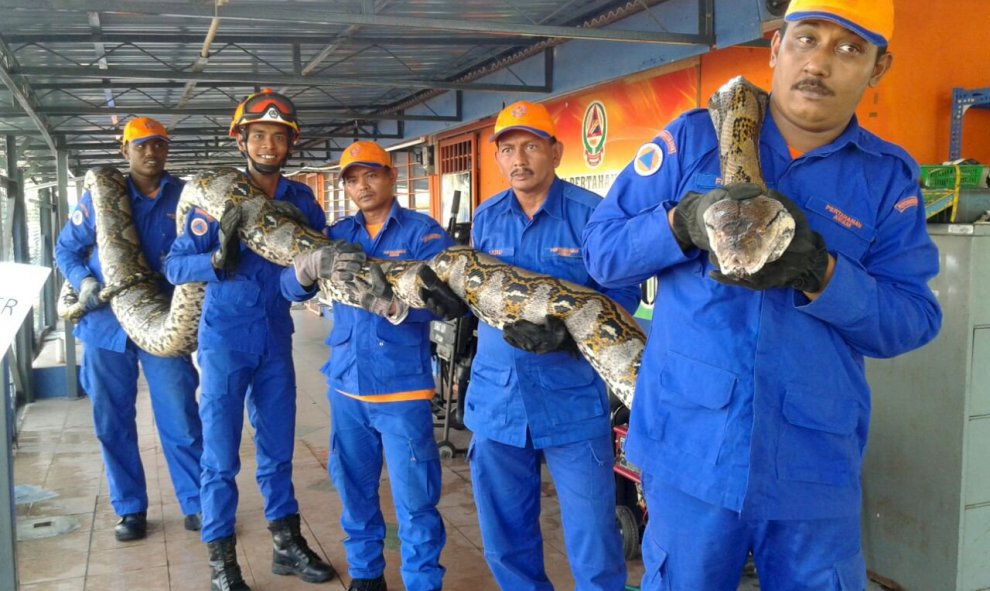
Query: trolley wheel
{"x": 629, "y": 530}
{"x": 446, "y": 449}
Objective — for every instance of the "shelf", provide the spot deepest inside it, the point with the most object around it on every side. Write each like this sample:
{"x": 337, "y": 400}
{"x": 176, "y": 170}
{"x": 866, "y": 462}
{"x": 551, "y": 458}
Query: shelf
{"x": 962, "y": 100}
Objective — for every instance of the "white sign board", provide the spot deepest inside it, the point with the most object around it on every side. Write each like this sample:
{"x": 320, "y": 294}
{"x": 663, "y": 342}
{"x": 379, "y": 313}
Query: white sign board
{"x": 19, "y": 286}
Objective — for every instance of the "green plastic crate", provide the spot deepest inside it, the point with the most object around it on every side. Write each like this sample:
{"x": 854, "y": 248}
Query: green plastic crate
{"x": 938, "y": 176}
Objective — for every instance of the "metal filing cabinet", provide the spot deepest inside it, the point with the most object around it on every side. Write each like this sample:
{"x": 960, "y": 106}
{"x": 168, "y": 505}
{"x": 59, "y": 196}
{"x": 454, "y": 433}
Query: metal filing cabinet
{"x": 926, "y": 476}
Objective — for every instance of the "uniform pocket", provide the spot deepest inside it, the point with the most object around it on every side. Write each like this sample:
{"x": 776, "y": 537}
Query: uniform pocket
{"x": 422, "y": 481}
{"x": 564, "y": 263}
{"x": 341, "y": 360}
{"x": 401, "y": 350}
{"x": 695, "y": 397}
{"x": 850, "y": 574}
{"x": 846, "y": 233}
{"x": 496, "y": 376}
{"x": 655, "y": 559}
{"x": 817, "y": 440}
{"x": 572, "y": 392}
{"x": 488, "y": 396}
{"x": 237, "y": 293}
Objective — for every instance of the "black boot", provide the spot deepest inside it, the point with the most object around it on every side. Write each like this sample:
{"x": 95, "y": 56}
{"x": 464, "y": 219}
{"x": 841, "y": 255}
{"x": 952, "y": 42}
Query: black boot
{"x": 225, "y": 575}
{"x": 291, "y": 554}
{"x": 377, "y": 584}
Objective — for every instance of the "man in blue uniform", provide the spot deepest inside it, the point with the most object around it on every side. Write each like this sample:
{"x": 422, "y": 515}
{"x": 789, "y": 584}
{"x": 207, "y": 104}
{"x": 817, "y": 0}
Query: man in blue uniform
{"x": 752, "y": 408}
{"x": 531, "y": 395}
{"x": 380, "y": 381}
{"x": 245, "y": 352}
{"x": 110, "y": 360}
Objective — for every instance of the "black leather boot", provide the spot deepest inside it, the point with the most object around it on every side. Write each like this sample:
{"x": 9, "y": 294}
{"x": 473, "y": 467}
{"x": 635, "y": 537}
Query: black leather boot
{"x": 291, "y": 554}
{"x": 377, "y": 584}
{"x": 225, "y": 575}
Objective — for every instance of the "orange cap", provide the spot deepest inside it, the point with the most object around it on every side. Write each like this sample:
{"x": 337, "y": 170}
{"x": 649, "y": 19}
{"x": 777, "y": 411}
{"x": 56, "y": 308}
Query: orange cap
{"x": 364, "y": 153}
{"x": 527, "y": 116}
{"x": 872, "y": 20}
{"x": 142, "y": 129}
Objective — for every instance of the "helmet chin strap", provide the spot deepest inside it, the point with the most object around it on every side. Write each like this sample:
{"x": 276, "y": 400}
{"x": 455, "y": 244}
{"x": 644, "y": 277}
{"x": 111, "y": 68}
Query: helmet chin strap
{"x": 267, "y": 168}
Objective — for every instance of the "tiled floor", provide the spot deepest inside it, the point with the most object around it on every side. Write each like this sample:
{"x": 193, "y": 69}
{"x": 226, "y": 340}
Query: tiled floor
{"x": 58, "y": 457}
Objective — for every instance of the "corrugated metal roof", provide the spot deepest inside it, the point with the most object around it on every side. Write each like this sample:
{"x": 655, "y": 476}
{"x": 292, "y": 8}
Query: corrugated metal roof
{"x": 83, "y": 67}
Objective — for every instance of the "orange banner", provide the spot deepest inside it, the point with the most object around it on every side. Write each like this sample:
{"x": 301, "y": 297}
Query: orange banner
{"x": 601, "y": 129}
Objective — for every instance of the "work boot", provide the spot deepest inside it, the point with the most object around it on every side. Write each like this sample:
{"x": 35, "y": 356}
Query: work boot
{"x": 225, "y": 575}
{"x": 291, "y": 554}
{"x": 193, "y": 522}
{"x": 133, "y": 526}
{"x": 377, "y": 584}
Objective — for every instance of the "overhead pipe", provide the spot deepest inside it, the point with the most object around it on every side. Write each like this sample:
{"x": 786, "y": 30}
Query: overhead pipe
{"x": 204, "y": 53}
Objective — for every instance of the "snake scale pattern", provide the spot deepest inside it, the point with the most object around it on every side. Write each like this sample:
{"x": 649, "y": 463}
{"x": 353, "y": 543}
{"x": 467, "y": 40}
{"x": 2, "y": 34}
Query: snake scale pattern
{"x": 745, "y": 235}
{"x": 607, "y": 335}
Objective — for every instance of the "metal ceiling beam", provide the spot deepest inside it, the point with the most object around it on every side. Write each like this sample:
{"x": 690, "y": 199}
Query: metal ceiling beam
{"x": 23, "y": 93}
{"x": 267, "y": 39}
{"x": 298, "y": 13}
{"x": 225, "y": 111}
{"x": 211, "y": 132}
{"x": 251, "y": 78}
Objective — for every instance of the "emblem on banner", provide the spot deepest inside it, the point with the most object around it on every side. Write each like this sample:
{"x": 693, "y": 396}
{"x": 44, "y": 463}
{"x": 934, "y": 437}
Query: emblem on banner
{"x": 594, "y": 129}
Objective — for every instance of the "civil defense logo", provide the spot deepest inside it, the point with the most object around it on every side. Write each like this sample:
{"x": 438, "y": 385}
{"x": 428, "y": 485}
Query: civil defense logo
{"x": 593, "y": 132}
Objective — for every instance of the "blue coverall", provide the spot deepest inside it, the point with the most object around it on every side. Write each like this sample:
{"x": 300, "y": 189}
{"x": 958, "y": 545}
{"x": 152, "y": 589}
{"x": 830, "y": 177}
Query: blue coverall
{"x": 522, "y": 406}
{"x": 245, "y": 354}
{"x": 110, "y": 360}
{"x": 380, "y": 390}
{"x": 752, "y": 407}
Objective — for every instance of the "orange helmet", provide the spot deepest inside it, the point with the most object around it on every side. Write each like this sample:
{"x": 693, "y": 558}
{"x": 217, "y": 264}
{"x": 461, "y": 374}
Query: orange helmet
{"x": 266, "y": 106}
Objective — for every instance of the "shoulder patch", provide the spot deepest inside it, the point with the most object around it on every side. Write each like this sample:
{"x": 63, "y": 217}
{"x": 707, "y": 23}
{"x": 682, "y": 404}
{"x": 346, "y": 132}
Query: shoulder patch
{"x": 77, "y": 217}
{"x": 198, "y": 226}
{"x": 431, "y": 237}
{"x": 203, "y": 212}
{"x": 648, "y": 159}
{"x": 906, "y": 203}
{"x": 668, "y": 140}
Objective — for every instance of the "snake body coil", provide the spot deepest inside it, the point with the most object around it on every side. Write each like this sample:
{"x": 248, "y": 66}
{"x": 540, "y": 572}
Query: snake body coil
{"x": 744, "y": 236}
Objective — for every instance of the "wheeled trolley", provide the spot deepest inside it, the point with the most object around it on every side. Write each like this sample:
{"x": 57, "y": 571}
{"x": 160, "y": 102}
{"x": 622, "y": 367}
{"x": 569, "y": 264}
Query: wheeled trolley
{"x": 455, "y": 342}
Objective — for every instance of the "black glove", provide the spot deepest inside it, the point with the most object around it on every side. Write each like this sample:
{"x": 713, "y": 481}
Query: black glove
{"x": 89, "y": 294}
{"x": 802, "y": 266}
{"x": 289, "y": 210}
{"x": 375, "y": 288}
{"x": 548, "y": 337}
{"x": 689, "y": 221}
{"x": 226, "y": 257}
{"x": 347, "y": 263}
{"x": 440, "y": 300}
{"x": 319, "y": 263}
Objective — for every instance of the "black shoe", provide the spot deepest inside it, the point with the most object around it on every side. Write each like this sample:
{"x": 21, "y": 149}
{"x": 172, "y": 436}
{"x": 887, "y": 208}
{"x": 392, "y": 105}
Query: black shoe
{"x": 368, "y": 584}
{"x": 193, "y": 522}
{"x": 225, "y": 574}
{"x": 291, "y": 554}
{"x": 133, "y": 526}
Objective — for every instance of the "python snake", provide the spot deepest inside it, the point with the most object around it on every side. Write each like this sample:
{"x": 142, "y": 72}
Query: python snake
{"x": 747, "y": 234}
{"x": 497, "y": 293}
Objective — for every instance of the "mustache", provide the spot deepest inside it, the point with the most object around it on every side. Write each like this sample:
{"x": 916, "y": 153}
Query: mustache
{"x": 520, "y": 171}
{"x": 813, "y": 84}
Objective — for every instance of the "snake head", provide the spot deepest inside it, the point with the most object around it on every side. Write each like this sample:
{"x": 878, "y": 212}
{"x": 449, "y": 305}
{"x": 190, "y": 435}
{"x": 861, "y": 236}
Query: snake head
{"x": 747, "y": 234}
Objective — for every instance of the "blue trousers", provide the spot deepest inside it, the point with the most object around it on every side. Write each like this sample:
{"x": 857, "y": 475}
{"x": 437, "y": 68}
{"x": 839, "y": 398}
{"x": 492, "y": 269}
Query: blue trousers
{"x": 110, "y": 379}
{"x": 267, "y": 383}
{"x": 506, "y": 482}
{"x": 401, "y": 432}
{"x": 691, "y": 545}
